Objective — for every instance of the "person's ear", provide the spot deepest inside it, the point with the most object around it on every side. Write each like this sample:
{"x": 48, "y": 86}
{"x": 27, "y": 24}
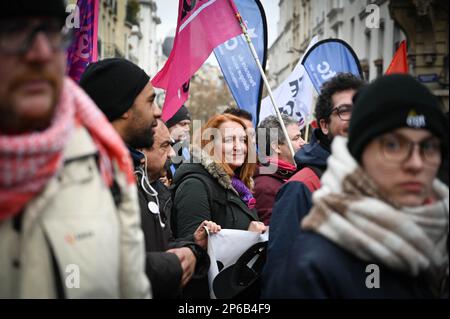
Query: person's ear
{"x": 126, "y": 115}
{"x": 324, "y": 126}
{"x": 275, "y": 147}
{"x": 142, "y": 161}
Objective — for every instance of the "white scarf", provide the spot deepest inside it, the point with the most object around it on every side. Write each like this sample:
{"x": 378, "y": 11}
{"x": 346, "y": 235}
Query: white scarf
{"x": 350, "y": 211}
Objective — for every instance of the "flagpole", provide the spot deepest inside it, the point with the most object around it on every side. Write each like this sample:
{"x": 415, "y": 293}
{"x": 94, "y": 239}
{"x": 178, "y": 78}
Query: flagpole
{"x": 307, "y": 129}
{"x": 266, "y": 82}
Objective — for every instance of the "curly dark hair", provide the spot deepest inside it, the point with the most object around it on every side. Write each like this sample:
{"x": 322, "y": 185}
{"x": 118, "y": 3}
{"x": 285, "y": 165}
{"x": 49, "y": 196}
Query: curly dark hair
{"x": 341, "y": 82}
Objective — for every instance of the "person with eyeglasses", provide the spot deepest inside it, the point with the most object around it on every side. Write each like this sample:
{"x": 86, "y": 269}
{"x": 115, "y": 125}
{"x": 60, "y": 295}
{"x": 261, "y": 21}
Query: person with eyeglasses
{"x": 158, "y": 224}
{"x": 294, "y": 200}
{"x": 378, "y": 227}
{"x": 69, "y": 218}
{"x": 124, "y": 93}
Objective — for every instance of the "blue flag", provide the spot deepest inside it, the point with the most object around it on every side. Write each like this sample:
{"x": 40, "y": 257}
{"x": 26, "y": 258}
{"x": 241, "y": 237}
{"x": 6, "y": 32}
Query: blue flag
{"x": 328, "y": 58}
{"x": 236, "y": 61}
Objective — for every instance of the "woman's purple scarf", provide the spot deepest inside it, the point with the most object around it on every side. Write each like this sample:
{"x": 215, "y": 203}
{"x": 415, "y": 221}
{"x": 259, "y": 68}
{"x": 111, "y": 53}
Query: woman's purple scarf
{"x": 244, "y": 193}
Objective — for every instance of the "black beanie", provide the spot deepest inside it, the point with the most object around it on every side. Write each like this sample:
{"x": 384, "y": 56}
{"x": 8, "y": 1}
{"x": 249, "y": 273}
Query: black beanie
{"x": 114, "y": 84}
{"x": 181, "y": 115}
{"x": 391, "y": 102}
{"x": 27, "y": 8}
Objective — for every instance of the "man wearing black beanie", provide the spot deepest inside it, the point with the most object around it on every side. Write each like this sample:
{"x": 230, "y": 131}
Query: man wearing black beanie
{"x": 179, "y": 123}
{"x": 123, "y": 91}
{"x": 179, "y": 127}
{"x": 26, "y": 8}
{"x": 373, "y": 111}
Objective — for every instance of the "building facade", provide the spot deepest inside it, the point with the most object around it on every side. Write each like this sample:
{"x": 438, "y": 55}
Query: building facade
{"x": 365, "y": 25}
{"x": 425, "y": 23}
{"x": 279, "y": 61}
{"x": 145, "y": 49}
{"x": 113, "y": 29}
{"x": 128, "y": 29}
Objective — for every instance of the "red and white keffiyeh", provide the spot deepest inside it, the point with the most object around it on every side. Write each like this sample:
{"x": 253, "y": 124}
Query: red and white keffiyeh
{"x": 29, "y": 161}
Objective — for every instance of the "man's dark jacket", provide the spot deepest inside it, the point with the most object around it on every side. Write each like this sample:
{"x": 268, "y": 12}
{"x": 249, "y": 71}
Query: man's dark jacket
{"x": 164, "y": 269}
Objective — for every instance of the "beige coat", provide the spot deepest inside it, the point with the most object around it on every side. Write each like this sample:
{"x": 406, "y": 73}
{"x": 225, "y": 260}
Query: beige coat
{"x": 98, "y": 248}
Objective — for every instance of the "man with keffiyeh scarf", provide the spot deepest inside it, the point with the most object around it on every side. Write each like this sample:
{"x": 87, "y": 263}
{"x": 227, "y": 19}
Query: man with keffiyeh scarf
{"x": 62, "y": 233}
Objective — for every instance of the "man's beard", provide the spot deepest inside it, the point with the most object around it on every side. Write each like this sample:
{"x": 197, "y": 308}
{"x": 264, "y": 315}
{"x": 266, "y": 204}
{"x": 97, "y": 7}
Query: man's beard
{"x": 144, "y": 138}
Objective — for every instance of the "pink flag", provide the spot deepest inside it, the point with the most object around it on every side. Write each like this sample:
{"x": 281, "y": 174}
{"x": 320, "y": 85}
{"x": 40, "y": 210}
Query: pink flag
{"x": 84, "y": 46}
{"x": 202, "y": 26}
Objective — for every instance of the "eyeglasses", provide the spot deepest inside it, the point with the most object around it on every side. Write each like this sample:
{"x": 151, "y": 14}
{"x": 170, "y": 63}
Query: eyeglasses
{"x": 17, "y": 35}
{"x": 343, "y": 111}
{"x": 397, "y": 148}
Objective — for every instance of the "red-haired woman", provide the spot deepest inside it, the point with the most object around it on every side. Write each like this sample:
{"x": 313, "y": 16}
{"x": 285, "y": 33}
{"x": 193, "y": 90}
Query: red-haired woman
{"x": 217, "y": 184}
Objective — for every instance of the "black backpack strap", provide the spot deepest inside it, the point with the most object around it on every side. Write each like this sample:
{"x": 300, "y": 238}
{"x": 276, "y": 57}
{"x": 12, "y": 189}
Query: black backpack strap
{"x": 114, "y": 188}
{"x": 116, "y": 193}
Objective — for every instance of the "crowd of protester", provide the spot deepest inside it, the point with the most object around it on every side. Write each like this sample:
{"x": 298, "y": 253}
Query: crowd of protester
{"x": 91, "y": 176}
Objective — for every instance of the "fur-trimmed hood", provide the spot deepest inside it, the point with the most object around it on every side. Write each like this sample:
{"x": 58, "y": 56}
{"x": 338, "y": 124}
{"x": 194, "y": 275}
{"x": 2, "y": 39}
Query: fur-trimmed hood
{"x": 208, "y": 165}
{"x": 203, "y": 190}
{"x": 202, "y": 163}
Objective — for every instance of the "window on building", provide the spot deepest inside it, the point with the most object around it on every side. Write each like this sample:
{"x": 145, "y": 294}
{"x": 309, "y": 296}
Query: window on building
{"x": 304, "y": 23}
{"x": 132, "y": 14}
{"x": 379, "y": 67}
{"x": 367, "y": 44}
{"x": 114, "y": 7}
{"x": 381, "y": 42}
{"x": 335, "y": 31}
{"x": 365, "y": 68}
{"x": 125, "y": 40}
{"x": 352, "y": 31}
{"x": 99, "y": 48}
